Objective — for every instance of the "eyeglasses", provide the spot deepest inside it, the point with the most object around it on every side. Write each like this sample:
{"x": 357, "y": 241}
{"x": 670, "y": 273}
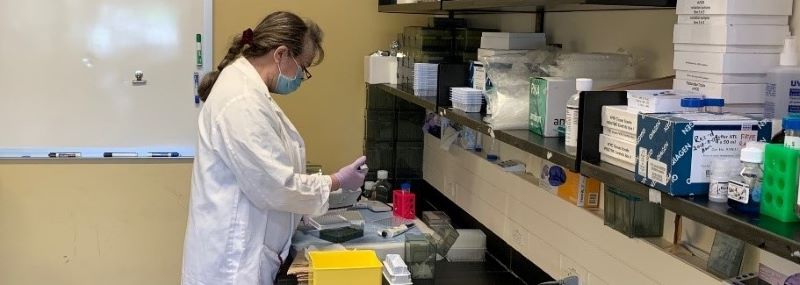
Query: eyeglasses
{"x": 306, "y": 73}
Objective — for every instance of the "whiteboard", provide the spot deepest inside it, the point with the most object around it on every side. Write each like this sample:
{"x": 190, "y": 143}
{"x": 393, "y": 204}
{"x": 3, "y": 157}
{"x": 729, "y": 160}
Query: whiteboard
{"x": 66, "y": 72}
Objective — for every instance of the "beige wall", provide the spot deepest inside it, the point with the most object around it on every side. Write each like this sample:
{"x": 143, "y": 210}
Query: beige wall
{"x": 329, "y": 109}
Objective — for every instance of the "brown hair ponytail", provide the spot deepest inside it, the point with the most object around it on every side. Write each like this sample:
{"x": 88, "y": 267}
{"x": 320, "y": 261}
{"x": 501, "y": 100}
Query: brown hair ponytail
{"x": 277, "y": 29}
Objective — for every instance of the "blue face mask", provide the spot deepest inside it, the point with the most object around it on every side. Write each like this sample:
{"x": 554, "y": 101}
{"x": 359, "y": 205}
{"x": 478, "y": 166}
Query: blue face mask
{"x": 286, "y": 85}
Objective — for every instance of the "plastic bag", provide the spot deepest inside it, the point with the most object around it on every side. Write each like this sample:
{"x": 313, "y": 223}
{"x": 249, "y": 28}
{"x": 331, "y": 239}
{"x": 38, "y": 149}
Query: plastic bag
{"x": 508, "y": 99}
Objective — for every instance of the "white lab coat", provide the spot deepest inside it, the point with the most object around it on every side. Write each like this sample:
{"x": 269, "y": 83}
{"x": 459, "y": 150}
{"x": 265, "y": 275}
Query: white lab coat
{"x": 249, "y": 187}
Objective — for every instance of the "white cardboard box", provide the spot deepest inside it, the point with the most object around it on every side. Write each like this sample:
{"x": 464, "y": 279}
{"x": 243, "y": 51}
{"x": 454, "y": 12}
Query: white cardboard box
{"x": 732, "y": 93}
{"x": 734, "y": 7}
{"x": 657, "y": 101}
{"x": 380, "y": 69}
{"x": 618, "y": 148}
{"x": 728, "y": 48}
{"x": 626, "y": 136}
{"x": 753, "y": 109}
{"x": 548, "y": 104}
{"x": 618, "y": 162}
{"x": 702, "y": 19}
{"x": 725, "y": 63}
{"x": 512, "y": 41}
{"x": 721, "y": 78}
{"x": 619, "y": 118}
{"x": 758, "y": 35}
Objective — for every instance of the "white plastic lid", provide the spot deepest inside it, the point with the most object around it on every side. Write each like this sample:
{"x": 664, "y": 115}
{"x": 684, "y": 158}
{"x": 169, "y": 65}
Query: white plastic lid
{"x": 757, "y": 144}
{"x": 789, "y": 53}
{"x": 583, "y": 84}
{"x": 369, "y": 185}
{"x": 383, "y": 174}
{"x": 753, "y": 155}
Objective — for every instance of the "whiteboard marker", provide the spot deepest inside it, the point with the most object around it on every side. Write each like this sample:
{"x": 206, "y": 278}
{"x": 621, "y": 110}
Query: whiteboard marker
{"x": 199, "y": 42}
{"x": 120, "y": 154}
{"x": 64, "y": 154}
{"x": 196, "y": 86}
{"x": 163, "y": 154}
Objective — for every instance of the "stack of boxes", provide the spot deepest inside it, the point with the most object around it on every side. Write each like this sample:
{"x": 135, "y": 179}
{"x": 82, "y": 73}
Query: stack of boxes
{"x": 435, "y": 45}
{"x": 723, "y": 48}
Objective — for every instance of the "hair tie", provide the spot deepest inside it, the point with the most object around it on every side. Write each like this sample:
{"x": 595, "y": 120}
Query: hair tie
{"x": 247, "y": 37}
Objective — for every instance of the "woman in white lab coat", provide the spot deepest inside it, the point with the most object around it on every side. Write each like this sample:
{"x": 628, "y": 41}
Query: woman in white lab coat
{"x": 249, "y": 187}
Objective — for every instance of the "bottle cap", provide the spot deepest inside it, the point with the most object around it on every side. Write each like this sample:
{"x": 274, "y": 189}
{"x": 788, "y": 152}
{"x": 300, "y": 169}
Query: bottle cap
{"x": 791, "y": 123}
{"x": 692, "y": 103}
{"x": 383, "y": 174}
{"x": 405, "y": 186}
{"x": 752, "y": 155}
{"x": 789, "y": 53}
{"x": 583, "y": 84}
{"x": 756, "y": 144}
{"x": 369, "y": 185}
{"x": 714, "y": 102}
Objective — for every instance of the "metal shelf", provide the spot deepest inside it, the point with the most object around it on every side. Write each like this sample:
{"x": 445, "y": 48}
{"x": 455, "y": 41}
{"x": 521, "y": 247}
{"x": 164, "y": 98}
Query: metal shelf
{"x": 413, "y": 8}
{"x": 406, "y": 93}
{"x": 524, "y": 6}
{"x": 764, "y": 232}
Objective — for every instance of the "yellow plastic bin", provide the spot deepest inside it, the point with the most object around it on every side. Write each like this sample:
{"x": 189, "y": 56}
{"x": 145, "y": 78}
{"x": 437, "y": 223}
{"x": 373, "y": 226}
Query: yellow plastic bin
{"x": 351, "y": 267}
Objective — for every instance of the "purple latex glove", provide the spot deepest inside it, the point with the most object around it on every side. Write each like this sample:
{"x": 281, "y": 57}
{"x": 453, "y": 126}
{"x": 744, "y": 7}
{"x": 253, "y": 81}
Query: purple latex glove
{"x": 352, "y": 176}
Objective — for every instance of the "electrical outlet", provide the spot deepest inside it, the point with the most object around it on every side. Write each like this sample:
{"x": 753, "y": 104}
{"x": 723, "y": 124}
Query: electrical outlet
{"x": 571, "y": 268}
{"x": 516, "y": 235}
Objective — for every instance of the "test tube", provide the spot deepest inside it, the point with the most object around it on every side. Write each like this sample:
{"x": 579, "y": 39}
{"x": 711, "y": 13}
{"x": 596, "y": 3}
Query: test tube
{"x": 692, "y": 105}
{"x": 714, "y": 105}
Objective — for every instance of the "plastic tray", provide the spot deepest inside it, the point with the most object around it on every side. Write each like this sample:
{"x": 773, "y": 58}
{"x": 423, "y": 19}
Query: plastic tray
{"x": 469, "y": 108}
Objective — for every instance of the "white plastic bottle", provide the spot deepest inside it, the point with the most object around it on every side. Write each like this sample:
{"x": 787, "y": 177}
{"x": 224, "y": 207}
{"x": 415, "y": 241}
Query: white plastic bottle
{"x": 782, "y": 82}
{"x": 721, "y": 170}
{"x": 573, "y": 109}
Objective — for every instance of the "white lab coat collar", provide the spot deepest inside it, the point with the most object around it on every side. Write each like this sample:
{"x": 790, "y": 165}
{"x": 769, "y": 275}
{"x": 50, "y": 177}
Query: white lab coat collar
{"x": 251, "y": 74}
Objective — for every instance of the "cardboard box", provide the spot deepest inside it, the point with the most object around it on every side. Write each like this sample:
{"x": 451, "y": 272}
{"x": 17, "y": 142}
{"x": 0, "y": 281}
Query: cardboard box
{"x": 728, "y": 48}
{"x": 675, "y": 152}
{"x": 753, "y": 109}
{"x": 619, "y": 118}
{"x": 512, "y": 41}
{"x": 570, "y": 186}
{"x": 721, "y": 78}
{"x": 725, "y": 63}
{"x": 745, "y": 35}
{"x": 658, "y": 101}
{"x": 626, "y": 136}
{"x": 618, "y": 148}
{"x": 380, "y": 69}
{"x": 734, "y": 7}
{"x": 732, "y": 93}
{"x": 702, "y": 19}
{"x": 548, "y": 104}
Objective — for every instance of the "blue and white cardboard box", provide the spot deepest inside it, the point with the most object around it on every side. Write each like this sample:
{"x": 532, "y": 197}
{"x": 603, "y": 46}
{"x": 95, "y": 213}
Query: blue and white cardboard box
{"x": 674, "y": 151}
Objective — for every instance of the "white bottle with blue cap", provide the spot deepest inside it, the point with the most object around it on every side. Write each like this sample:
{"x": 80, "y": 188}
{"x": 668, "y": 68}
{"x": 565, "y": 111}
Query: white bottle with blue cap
{"x": 782, "y": 94}
{"x": 571, "y": 124}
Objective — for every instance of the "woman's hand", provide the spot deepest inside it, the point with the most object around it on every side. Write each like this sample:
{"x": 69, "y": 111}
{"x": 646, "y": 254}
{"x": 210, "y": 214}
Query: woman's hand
{"x": 350, "y": 177}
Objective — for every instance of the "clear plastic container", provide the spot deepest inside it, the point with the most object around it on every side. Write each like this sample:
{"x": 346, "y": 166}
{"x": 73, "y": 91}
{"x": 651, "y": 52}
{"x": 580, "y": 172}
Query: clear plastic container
{"x": 744, "y": 191}
{"x": 714, "y": 105}
{"x": 791, "y": 129}
{"x": 631, "y": 215}
{"x": 469, "y": 247}
{"x": 383, "y": 188}
{"x": 435, "y": 218}
{"x": 420, "y": 256}
{"x": 572, "y": 120}
{"x": 692, "y": 105}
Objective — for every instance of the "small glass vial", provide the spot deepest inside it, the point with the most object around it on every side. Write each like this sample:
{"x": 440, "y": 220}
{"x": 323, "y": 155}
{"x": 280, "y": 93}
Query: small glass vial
{"x": 791, "y": 129}
{"x": 714, "y": 105}
{"x": 369, "y": 189}
{"x": 718, "y": 182}
{"x": 692, "y": 105}
{"x": 744, "y": 191}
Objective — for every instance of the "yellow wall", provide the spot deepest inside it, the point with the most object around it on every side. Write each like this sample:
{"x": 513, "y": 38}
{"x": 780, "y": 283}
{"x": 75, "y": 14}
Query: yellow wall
{"x": 123, "y": 223}
{"x": 328, "y": 110}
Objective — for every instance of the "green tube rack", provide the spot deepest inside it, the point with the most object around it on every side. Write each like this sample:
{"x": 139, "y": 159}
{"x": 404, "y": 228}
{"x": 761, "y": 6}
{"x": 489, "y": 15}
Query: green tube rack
{"x": 779, "y": 189}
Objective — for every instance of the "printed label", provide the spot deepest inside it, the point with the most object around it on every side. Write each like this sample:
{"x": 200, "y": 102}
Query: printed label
{"x": 581, "y": 191}
{"x": 621, "y": 135}
{"x": 739, "y": 192}
{"x": 709, "y": 143}
{"x": 644, "y": 159}
{"x": 593, "y": 200}
{"x": 657, "y": 171}
{"x": 571, "y": 135}
{"x": 718, "y": 190}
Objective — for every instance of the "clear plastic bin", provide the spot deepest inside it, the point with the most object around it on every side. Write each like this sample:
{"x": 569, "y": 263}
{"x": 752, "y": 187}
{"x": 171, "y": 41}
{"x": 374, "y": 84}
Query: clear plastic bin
{"x": 435, "y": 217}
{"x": 466, "y": 254}
{"x": 420, "y": 256}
